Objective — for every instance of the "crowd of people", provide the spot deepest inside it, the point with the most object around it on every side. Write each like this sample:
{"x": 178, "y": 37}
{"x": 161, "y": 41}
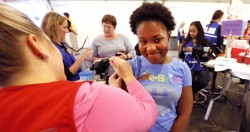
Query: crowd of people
{"x": 44, "y": 74}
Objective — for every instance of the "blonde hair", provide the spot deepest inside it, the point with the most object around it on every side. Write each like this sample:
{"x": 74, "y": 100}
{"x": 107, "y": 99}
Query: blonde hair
{"x": 50, "y": 24}
{"x": 14, "y": 25}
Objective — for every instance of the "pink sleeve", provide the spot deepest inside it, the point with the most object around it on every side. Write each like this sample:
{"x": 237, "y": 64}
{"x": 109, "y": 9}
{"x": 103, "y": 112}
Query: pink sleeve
{"x": 103, "y": 108}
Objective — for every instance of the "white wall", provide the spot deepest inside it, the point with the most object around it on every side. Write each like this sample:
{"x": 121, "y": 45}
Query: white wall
{"x": 87, "y": 15}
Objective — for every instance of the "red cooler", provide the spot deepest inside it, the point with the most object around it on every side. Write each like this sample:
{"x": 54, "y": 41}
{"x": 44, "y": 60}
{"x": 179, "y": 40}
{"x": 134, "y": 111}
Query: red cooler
{"x": 235, "y": 52}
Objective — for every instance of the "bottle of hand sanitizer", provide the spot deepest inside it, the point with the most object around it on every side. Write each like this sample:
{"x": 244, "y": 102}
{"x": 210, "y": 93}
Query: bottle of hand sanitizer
{"x": 228, "y": 46}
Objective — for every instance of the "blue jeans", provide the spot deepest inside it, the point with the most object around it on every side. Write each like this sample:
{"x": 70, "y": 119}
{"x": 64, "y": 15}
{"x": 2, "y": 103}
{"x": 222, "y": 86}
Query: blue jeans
{"x": 200, "y": 79}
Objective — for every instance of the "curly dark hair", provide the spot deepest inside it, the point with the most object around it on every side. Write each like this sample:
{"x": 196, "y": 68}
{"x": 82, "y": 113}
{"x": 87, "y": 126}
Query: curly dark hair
{"x": 152, "y": 11}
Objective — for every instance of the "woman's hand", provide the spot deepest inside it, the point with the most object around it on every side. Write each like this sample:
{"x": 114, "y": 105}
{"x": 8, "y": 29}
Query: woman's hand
{"x": 115, "y": 80}
{"x": 122, "y": 69}
{"x": 189, "y": 49}
{"x": 180, "y": 46}
{"x": 87, "y": 54}
{"x": 121, "y": 55}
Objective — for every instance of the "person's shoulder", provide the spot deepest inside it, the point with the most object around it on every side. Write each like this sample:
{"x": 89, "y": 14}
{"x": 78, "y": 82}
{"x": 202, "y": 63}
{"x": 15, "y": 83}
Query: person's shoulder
{"x": 178, "y": 62}
{"x": 98, "y": 37}
{"x": 119, "y": 35}
{"x": 136, "y": 60}
{"x": 102, "y": 88}
{"x": 96, "y": 40}
{"x": 216, "y": 23}
{"x": 91, "y": 86}
{"x": 91, "y": 90}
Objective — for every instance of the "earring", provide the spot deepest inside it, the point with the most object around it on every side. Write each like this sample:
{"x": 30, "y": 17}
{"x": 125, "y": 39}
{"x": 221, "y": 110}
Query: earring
{"x": 43, "y": 56}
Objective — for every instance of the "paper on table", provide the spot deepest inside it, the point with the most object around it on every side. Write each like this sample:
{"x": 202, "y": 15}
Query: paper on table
{"x": 238, "y": 69}
{"x": 221, "y": 64}
{"x": 241, "y": 70}
{"x": 221, "y": 68}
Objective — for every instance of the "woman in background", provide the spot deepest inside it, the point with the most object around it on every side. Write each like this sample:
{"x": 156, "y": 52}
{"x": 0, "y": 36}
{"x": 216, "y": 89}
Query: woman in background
{"x": 181, "y": 33}
{"x": 196, "y": 39}
{"x": 213, "y": 30}
{"x": 55, "y": 27}
{"x": 111, "y": 44}
{"x": 167, "y": 79}
{"x": 246, "y": 35}
{"x": 36, "y": 97}
{"x": 72, "y": 34}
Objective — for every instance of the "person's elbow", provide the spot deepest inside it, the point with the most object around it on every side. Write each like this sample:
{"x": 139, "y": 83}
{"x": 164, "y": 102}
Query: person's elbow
{"x": 151, "y": 116}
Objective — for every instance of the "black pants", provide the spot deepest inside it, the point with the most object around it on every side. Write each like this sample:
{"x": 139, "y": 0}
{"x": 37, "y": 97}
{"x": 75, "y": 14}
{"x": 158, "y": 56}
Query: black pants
{"x": 200, "y": 79}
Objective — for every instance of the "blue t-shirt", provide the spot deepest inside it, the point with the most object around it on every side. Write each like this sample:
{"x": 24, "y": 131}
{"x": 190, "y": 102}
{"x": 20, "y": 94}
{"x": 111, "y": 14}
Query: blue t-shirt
{"x": 164, "y": 82}
{"x": 192, "y": 62}
{"x": 68, "y": 60}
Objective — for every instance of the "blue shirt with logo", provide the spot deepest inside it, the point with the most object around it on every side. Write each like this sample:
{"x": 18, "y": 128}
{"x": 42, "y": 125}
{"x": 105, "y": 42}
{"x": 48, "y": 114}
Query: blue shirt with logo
{"x": 211, "y": 32}
{"x": 192, "y": 62}
{"x": 165, "y": 83}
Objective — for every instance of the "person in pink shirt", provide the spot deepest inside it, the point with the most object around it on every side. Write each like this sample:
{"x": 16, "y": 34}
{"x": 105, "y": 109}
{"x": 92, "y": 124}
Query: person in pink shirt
{"x": 35, "y": 95}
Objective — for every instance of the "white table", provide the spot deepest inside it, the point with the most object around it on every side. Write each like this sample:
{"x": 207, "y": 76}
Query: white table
{"x": 237, "y": 69}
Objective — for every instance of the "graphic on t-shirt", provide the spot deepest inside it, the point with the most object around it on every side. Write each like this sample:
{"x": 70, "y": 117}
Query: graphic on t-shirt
{"x": 159, "y": 78}
{"x": 164, "y": 82}
{"x": 164, "y": 96}
{"x": 163, "y": 88}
